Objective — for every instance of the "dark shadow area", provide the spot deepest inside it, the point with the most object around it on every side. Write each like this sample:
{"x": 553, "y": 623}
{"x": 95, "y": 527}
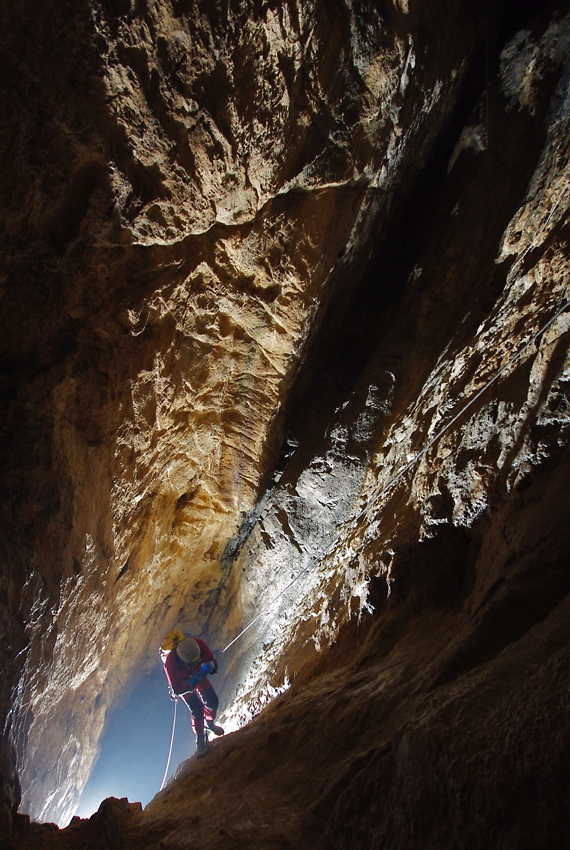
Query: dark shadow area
{"x": 529, "y": 602}
{"x": 436, "y": 572}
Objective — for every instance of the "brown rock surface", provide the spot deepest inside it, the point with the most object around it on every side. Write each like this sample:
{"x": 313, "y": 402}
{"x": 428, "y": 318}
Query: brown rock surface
{"x": 226, "y": 226}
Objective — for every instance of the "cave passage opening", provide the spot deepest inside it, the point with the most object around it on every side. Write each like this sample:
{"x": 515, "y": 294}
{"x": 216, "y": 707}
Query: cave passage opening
{"x": 134, "y": 746}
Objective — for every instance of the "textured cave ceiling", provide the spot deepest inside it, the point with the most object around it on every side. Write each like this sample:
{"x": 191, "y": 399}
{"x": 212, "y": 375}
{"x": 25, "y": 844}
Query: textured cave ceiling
{"x": 255, "y": 256}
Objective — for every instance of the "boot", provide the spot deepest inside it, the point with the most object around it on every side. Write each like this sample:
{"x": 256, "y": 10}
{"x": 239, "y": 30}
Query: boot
{"x": 217, "y": 730}
{"x": 201, "y": 746}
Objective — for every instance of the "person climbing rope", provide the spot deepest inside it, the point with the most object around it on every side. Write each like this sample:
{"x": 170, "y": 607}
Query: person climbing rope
{"x": 188, "y": 661}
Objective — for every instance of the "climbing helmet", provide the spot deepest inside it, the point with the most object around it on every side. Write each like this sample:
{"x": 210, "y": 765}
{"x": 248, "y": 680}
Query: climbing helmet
{"x": 188, "y": 650}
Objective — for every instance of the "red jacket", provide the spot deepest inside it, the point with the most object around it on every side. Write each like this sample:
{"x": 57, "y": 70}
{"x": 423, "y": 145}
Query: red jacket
{"x": 179, "y": 675}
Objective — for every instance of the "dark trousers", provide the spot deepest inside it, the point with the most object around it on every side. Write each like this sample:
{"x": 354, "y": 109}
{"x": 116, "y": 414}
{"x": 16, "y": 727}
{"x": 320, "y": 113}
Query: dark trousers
{"x": 203, "y": 704}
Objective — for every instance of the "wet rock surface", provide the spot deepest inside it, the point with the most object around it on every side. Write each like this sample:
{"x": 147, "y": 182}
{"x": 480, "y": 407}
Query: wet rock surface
{"x": 283, "y": 329}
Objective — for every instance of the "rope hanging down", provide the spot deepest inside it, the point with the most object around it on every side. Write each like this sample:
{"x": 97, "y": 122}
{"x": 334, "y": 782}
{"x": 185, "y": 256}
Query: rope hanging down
{"x": 403, "y": 470}
{"x": 171, "y": 743}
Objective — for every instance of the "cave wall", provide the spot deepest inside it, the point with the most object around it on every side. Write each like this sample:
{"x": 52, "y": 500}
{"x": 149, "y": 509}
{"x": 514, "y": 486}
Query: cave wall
{"x": 255, "y": 256}
{"x": 444, "y": 308}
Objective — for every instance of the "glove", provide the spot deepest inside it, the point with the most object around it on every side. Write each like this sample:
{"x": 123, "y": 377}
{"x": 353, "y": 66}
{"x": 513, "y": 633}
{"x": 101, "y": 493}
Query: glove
{"x": 172, "y": 693}
{"x": 208, "y": 667}
{"x": 196, "y": 679}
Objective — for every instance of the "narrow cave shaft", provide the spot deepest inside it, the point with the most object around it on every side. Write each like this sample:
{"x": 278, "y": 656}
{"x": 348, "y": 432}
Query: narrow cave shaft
{"x": 285, "y": 364}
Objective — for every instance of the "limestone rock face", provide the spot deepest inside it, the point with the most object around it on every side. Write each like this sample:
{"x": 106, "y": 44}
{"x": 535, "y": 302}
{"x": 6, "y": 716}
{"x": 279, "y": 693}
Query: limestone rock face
{"x": 459, "y": 385}
{"x": 285, "y": 346}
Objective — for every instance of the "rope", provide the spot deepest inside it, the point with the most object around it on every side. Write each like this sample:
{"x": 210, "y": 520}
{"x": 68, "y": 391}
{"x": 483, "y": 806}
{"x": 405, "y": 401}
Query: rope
{"x": 403, "y": 470}
{"x": 458, "y": 415}
{"x": 171, "y": 743}
{"x": 313, "y": 561}
{"x": 442, "y": 431}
